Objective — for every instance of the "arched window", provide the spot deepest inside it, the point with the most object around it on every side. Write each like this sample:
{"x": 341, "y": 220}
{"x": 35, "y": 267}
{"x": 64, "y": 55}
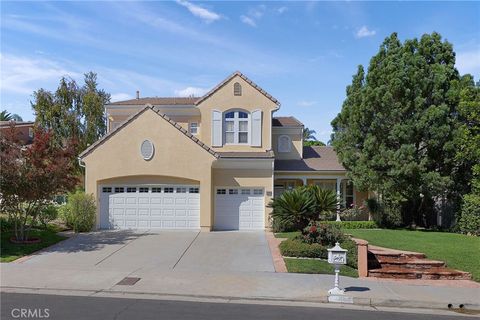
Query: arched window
{"x": 237, "y": 89}
{"x": 284, "y": 144}
{"x": 237, "y": 127}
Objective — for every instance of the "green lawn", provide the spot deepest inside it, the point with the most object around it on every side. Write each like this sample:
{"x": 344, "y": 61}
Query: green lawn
{"x": 10, "y": 251}
{"x": 317, "y": 266}
{"x": 288, "y": 235}
{"x": 458, "y": 251}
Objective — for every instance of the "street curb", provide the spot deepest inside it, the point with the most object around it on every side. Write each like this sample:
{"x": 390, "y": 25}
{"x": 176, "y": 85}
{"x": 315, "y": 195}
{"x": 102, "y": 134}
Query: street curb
{"x": 324, "y": 300}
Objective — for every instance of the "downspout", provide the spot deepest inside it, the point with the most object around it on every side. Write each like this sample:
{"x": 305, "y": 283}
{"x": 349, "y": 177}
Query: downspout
{"x": 82, "y": 164}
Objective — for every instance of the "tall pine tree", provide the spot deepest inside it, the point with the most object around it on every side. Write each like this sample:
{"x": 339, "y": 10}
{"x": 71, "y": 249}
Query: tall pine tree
{"x": 395, "y": 131}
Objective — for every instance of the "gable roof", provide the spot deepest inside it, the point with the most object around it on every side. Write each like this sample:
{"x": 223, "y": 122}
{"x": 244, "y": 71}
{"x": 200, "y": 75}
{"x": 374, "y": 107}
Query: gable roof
{"x": 233, "y": 75}
{"x": 286, "y": 122}
{"x": 315, "y": 158}
{"x": 219, "y": 155}
{"x": 158, "y": 101}
{"x": 136, "y": 115}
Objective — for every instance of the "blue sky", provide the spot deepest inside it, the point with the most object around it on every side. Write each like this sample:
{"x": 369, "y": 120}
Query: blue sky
{"x": 303, "y": 53}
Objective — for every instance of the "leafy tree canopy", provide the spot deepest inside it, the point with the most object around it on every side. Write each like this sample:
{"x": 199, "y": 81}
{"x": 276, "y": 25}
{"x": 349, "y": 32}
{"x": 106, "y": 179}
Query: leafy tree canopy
{"x": 73, "y": 111}
{"x": 32, "y": 175}
{"x": 396, "y": 131}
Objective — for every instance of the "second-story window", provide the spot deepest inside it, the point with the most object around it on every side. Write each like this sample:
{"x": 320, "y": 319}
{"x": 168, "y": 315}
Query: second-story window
{"x": 237, "y": 127}
{"x": 194, "y": 128}
{"x": 284, "y": 144}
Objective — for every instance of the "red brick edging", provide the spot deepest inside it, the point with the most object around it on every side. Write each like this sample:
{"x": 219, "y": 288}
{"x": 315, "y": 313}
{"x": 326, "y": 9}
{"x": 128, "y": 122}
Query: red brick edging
{"x": 273, "y": 243}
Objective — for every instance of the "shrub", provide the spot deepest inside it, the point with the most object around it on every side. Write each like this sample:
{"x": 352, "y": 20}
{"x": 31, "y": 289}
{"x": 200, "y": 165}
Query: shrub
{"x": 292, "y": 208}
{"x": 354, "y": 214}
{"x": 351, "y": 246}
{"x": 277, "y": 226}
{"x": 298, "y": 248}
{"x": 324, "y": 234}
{"x": 354, "y": 224}
{"x": 324, "y": 202}
{"x": 5, "y": 223}
{"x": 469, "y": 221}
{"x": 48, "y": 214}
{"x": 385, "y": 213}
{"x": 79, "y": 212}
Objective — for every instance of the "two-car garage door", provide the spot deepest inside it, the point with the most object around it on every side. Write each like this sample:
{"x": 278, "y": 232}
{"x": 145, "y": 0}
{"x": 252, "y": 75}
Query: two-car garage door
{"x": 178, "y": 207}
{"x": 149, "y": 207}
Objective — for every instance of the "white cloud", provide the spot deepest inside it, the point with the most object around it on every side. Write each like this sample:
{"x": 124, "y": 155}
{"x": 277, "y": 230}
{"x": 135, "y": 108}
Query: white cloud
{"x": 469, "y": 62}
{"x": 305, "y": 103}
{"x": 257, "y": 12}
{"x": 248, "y": 20}
{"x": 204, "y": 14}
{"x": 364, "y": 32}
{"x": 120, "y": 96}
{"x": 24, "y": 75}
{"x": 281, "y": 10}
{"x": 191, "y": 91}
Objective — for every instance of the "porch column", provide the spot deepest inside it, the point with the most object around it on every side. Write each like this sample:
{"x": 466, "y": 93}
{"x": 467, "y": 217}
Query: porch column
{"x": 304, "y": 180}
{"x": 339, "y": 181}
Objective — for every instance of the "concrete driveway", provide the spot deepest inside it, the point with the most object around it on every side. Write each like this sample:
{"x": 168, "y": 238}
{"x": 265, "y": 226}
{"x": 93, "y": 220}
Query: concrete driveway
{"x": 152, "y": 251}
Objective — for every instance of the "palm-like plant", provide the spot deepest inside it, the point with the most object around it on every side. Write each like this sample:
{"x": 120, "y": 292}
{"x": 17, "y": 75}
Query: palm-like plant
{"x": 5, "y": 116}
{"x": 325, "y": 201}
{"x": 309, "y": 135}
{"x": 293, "y": 208}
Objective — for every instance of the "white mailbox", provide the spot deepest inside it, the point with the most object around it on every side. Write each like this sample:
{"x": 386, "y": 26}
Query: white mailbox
{"x": 337, "y": 255}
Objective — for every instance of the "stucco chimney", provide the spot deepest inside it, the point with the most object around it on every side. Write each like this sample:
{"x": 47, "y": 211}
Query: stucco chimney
{"x": 138, "y": 94}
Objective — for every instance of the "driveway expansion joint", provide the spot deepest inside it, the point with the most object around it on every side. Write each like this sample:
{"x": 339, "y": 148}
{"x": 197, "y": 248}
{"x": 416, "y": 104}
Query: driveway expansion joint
{"x": 185, "y": 251}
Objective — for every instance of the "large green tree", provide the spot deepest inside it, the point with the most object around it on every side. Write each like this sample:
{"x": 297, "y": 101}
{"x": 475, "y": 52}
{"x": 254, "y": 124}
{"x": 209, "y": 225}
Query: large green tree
{"x": 395, "y": 132}
{"x": 73, "y": 111}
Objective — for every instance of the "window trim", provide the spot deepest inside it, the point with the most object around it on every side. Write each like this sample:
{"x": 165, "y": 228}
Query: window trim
{"x": 236, "y": 127}
{"x": 289, "y": 147}
{"x": 191, "y": 126}
{"x": 237, "y": 89}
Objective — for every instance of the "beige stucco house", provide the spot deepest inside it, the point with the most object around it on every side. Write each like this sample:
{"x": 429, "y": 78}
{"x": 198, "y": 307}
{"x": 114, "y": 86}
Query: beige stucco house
{"x": 209, "y": 163}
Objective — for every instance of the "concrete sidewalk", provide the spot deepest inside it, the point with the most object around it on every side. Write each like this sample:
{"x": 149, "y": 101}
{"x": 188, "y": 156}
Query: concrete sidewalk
{"x": 235, "y": 285}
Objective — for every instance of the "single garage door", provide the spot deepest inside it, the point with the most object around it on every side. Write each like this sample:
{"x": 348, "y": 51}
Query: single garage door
{"x": 149, "y": 207}
{"x": 239, "y": 209}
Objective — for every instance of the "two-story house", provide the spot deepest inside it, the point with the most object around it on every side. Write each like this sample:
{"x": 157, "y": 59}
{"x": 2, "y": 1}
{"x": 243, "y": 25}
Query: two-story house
{"x": 209, "y": 163}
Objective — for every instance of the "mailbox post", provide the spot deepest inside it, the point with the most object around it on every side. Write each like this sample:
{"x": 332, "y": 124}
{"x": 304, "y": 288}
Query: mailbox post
{"x": 337, "y": 256}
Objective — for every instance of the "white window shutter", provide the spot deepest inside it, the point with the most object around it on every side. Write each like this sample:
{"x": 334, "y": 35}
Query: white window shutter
{"x": 256, "y": 128}
{"x": 216, "y": 128}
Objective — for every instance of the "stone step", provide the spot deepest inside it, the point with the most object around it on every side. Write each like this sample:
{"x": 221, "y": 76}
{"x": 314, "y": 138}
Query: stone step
{"x": 434, "y": 273}
{"x": 380, "y": 253}
{"x": 411, "y": 263}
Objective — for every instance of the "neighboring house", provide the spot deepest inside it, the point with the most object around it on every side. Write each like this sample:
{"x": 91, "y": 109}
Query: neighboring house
{"x": 22, "y": 129}
{"x": 209, "y": 163}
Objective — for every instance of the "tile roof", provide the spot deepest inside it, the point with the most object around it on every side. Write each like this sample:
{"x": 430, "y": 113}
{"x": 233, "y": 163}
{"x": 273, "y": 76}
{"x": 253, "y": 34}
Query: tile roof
{"x": 136, "y": 115}
{"x": 316, "y": 158}
{"x": 158, "y": 101}
{"x": 241, "y": 75}
{"x": 4, "y": 124}
{"x": 286, "y": 122}
{"x": 246, "y": 155}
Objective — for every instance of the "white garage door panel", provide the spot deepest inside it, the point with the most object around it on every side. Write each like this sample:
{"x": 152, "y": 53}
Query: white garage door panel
{"x": 239, "y": 209}
{"x": 146, "y": 210}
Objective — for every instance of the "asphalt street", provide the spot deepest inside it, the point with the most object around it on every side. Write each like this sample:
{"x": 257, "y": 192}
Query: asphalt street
{"x": 40, "y": 306}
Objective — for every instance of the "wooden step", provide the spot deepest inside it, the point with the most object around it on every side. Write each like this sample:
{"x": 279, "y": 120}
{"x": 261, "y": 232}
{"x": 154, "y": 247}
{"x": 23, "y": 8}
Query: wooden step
{"x": 434, "y": 273}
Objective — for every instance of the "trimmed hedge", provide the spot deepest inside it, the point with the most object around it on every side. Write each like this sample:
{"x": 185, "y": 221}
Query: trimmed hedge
{"x": 299, "y": 249}
{"x": 354, "y": 224}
